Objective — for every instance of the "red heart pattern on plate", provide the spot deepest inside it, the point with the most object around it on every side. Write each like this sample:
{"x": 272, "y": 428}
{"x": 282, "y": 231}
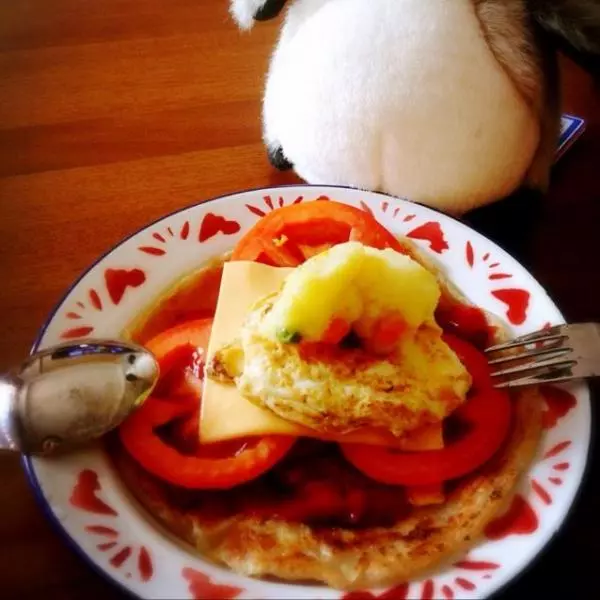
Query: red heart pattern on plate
{"x": 118, "y": 280}
{"x": 213, "y": 224}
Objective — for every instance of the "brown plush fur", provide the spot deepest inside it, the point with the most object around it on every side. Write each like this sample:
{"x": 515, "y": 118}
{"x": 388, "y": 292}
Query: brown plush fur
{"x": 531, "y": 65}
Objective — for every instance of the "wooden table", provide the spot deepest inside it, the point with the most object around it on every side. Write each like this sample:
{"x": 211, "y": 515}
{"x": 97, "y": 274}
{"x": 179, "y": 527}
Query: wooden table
{"x": 113, "y": 113}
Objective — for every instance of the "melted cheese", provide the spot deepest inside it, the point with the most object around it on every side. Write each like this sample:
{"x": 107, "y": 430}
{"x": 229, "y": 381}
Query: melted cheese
{"x": 225, "y": 414}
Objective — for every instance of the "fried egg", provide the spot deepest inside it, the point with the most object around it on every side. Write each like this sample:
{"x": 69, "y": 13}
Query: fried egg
{"x": 346, "y": 389}
{"x": 335, "y": 389}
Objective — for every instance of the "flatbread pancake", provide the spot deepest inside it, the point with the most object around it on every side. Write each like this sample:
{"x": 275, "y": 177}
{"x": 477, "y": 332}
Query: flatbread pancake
{"x": 355, "y": 558}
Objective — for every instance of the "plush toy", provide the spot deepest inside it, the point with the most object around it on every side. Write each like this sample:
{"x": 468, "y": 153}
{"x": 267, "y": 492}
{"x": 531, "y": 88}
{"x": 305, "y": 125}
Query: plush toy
{"x": 450, "y": 103}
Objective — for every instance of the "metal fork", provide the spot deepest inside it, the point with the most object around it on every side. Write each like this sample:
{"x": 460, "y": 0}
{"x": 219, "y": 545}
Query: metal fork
{"x": 559, "y": 353}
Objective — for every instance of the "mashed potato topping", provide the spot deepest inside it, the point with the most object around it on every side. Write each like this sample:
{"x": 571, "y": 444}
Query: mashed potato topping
{"x": 357, "y": 284}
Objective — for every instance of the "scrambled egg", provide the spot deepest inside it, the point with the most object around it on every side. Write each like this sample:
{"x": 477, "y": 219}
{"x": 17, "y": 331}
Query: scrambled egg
{"x": 334, "y": 389}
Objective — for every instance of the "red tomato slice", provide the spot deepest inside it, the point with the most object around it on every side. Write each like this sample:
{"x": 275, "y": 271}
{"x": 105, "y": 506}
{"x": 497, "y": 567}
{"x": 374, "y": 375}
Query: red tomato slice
{"x": 488, "y": 415}
{"x": 185, "y": 432}
{"x": 473, "y": 360}
{"x": 180, "y": 352}
{"x": 277, "y": 237}
{"x": 234, "y": 466}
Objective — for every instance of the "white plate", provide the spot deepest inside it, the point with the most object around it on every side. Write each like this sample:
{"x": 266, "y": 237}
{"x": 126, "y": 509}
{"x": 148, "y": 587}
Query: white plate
{"x": 84, "y": 495}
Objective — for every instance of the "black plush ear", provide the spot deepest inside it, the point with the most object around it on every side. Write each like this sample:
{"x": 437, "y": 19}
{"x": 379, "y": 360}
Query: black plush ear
{"x": 246, "y": 12}
{"x": 269, "y": 10}
{"x": 574, "y": 25}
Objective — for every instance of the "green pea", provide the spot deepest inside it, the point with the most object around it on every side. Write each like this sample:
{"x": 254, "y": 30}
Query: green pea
{"x": 288, "y": 337}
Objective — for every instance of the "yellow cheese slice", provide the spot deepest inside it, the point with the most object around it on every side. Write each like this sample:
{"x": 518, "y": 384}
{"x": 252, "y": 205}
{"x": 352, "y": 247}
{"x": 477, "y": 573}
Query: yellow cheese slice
{"x": 225, "y": 414}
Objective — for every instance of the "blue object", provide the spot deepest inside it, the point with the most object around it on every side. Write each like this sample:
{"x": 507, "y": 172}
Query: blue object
{"x": 571, "y": 128}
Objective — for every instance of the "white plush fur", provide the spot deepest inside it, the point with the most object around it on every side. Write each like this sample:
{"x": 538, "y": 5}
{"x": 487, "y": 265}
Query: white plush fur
{"x": 402, "y": 96}
{"x": 243, "y": 11}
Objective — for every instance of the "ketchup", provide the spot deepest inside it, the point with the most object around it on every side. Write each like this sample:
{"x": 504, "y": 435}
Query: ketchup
{"x": 466, "y": 322}
{"x": 312, "y": 485}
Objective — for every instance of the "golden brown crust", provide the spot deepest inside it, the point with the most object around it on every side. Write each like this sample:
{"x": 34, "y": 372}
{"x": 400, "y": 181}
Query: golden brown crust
{"x": 350, "y": 559}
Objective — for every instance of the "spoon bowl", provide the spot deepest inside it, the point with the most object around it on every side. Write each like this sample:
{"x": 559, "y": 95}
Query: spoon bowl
{"x": 73, "y": 393}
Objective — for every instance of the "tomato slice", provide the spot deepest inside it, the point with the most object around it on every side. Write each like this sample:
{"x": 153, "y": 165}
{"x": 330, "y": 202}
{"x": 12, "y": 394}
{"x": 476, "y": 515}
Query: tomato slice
{"x": 180, "y": 353}
{"x": 473, "y": 360}
{"x": 488, "y": 415}
{"x": 234, "y": 467}
{"x": 277, "y": 238}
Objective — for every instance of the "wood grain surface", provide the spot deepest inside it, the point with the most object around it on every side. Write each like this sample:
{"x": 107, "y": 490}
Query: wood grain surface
{"x": 113, "y": 113}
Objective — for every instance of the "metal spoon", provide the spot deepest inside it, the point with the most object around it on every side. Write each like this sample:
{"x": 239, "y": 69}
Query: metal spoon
{"x": 73, "y": 393}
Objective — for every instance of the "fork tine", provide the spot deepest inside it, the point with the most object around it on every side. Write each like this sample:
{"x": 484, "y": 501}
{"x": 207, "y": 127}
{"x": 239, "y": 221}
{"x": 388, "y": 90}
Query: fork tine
{"x": 530, "y": 354}
{"x": 561, "y": 353}
{"x": 549, "y": 335}
{"x": 536, "y": 379}
{"x": 556, "y": 362}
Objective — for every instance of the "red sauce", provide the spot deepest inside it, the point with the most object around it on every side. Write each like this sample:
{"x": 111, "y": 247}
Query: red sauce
{"x": 467, "y": 322}
{"x": 313, "y": 484}
{"x": 182, "y": 434}
{"x": 559, "y": 403}
{"x": 184, "y": 377}
{"x": 202, "y": 587}
{"x": 519, "y": 519}
{"x": 195, "y": 297}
